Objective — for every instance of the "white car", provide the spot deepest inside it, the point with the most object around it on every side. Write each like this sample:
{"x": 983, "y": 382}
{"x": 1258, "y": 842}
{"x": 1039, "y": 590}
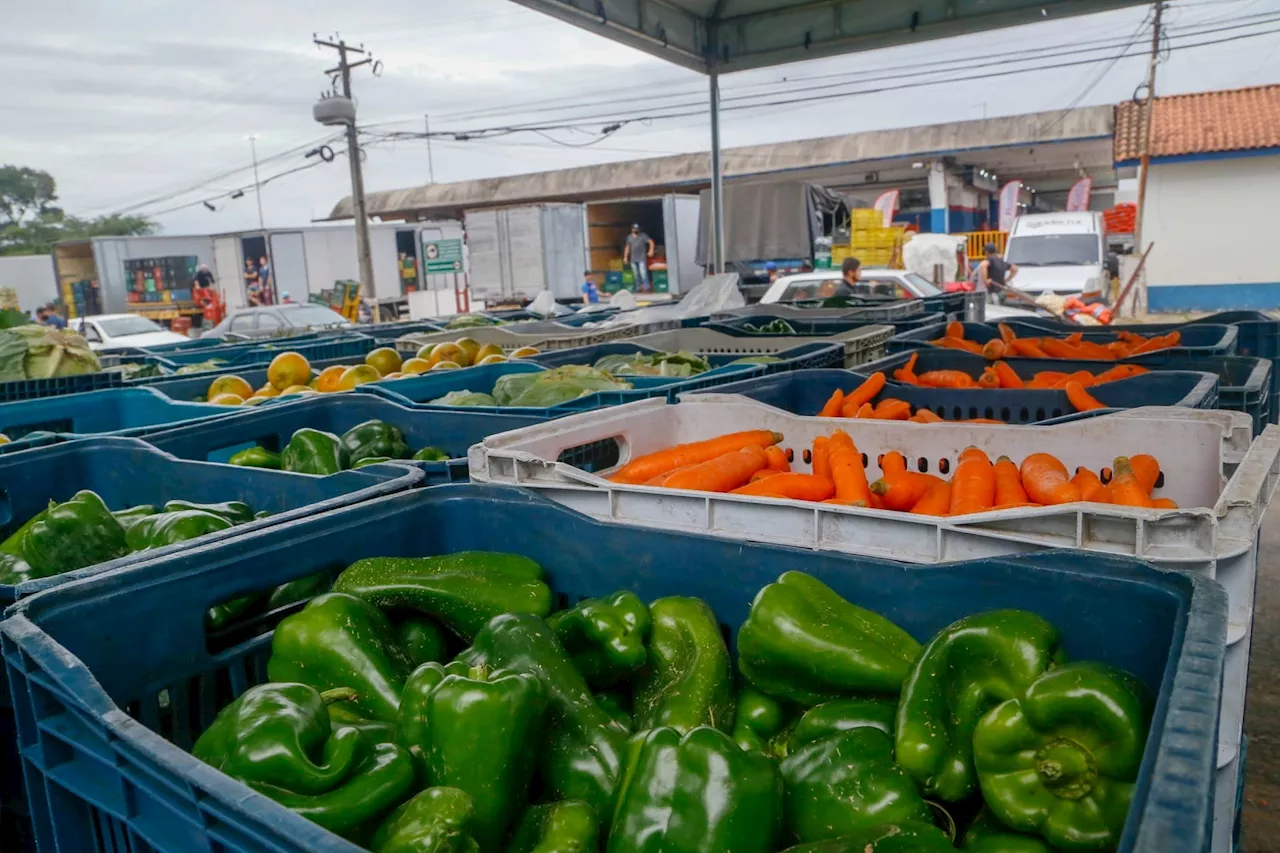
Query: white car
{"x": 117, "y": 331}
{"x": 900, "y": 284}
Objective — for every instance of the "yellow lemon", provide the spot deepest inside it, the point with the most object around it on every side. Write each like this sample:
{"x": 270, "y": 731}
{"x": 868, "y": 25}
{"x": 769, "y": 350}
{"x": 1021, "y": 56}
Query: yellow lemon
{"x": 266, "y": 391}
{"x": 525, "y": 352}
{"x": 446, "y": 365}
{"x": 449, "y": 352}
{"x": 229, "y": 384}
{"x": 414, "y": 366}
{"x": 492, "y": 359}
{"x": 227, "y": 399}
{"x": 425, "y": 352}
{"x": 470, "y": 346}
{"x": 486, "y": 351}
{"x": 288, "y": 369}
{"x": 296, "y": 389}
{"x": 328, "y": 379}
{"x": 358, "y": 375}
{"x": 256, "y": 400}
{"x": 385, "y": 359}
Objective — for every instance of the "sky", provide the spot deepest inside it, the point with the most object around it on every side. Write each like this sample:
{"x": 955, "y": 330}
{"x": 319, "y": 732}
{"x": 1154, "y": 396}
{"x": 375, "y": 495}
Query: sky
{"x": 130, "y": 105}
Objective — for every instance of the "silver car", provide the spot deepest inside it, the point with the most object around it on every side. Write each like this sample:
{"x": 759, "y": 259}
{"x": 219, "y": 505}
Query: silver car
{"x": 275, "y": 321}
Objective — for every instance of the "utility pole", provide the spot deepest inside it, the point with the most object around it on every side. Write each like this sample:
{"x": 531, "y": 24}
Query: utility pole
{"x": 431, "y": 166}
{"x": 1144, "y": 166}
{"x": 343, "y": 70}
{"x": 257, "y": 185}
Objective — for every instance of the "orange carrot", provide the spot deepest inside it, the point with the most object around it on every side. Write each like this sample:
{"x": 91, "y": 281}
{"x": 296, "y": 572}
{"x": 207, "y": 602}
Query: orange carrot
{"x": 645, "y": 468}
{"x": 1146, "y": 469}
{"x": 722, "y": 474}
{"x": 1048, "y": 378}
{"x": 1125, "y": 489}
{"x": 867, "y": 411}
{"x": 924, "y": 416}
{"x": 866, "y": 392}
{"x": 847, "y": 470}
{"x": 1026, "y": 348}
{"x": 661, "y": 479}
{"x": 1091, "y": 488}
{"x": 892, "y": 462}
{"x": 902, "y": 490}
{"x": 1084, "y": 377}
{"x": 946, "y": 379}
{"x": 833, "y": 405}
{"x": 994, "y": 349}
{"x": 1008, "y": 483}
{"x": 936, "y": 501}
{"x": 1163, "y": 503}
{"x": 1055, "y": 348}
{"x": 1096, "y": 351}
{"x": 1082, "y": 399}
{"x": 821, "y": 457}
{"x": 973, "y": 486}
{"x": 799, "y": 487}
{"x": 989, "y": 378}
{"x": 959, "y": 344}
{"x": 907, "y": 373}
{"x": 1022, "y": 505}
{"x": 955, "y": 329}
{"x": 1006, "y": 334}
{"x": 892, "y": 410}
{"x": 763, "y": 473}
{"x": 1120, "y": 371}
{"x": 1046, "y": 481}
{"x": 777, "y": 458}
{"x": 1008, "y": 377}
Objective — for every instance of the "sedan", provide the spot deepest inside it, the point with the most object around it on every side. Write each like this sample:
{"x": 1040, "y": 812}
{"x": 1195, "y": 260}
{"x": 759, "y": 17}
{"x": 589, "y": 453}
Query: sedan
{"x": 897, "y": 284}
{"x": 274, "y": 321}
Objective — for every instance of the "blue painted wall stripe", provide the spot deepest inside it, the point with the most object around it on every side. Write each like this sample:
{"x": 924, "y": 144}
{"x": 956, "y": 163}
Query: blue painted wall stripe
{"x": 1213, "y": 297}
{"x": 1199, "y": 158}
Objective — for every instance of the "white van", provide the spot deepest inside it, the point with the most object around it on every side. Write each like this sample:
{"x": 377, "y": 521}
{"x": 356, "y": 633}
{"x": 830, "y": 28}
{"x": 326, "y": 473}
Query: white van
{"x": 1063, "y": 253}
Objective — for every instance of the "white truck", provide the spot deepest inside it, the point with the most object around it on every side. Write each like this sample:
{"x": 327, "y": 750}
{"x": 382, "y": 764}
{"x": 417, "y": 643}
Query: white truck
{"x": 1061, "y": 253}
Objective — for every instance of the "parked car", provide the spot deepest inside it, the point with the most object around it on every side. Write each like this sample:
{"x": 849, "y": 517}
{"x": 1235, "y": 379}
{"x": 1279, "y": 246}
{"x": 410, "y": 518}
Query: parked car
{"x": 825, "y": 284}
{"x": 274, "y": 321}
{"x": 117, "y": 331}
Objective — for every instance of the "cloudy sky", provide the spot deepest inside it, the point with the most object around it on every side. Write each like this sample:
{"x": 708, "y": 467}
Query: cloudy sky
{"x": 146, "y": 106}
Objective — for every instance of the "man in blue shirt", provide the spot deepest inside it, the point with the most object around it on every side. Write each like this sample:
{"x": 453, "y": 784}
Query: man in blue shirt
{"x": 53, "y": 318}
{"x": 590, "y": 293}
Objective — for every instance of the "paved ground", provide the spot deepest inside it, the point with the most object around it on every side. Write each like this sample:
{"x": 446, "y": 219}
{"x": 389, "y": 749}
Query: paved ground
{"x": 1261, "y": 832}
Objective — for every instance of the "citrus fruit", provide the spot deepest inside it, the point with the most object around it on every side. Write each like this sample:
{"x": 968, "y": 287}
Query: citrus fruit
{"x": 449, "y": 352}
{"x": 499, "y": 358}
{"x": 358, "y": 375}
{"x": 425, "y": 352}
{"x": 385, "y": 359}
{"x": 525, "y": 352}
{"x": 256, "y": 400}
{"x": 288, "y": 368}
{"x": 4, "y": 439}
{"x": 328, "y": 379}
{"x": 229, "y": 384}
{"x": 414, "y": 366}
{"x": 267, "y": 391}
{"x": 396, "y": 375}
{"x": 227, "y": 399}
{"x": 470, "y": 346}
{"x": 486, "y": 351}
{"x": 295, "y": 389}
{"x": 446, "y": 365}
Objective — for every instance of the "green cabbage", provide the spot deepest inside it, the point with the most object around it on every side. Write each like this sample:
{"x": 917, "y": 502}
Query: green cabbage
{"x": 756, "y": 359}
{"x": 471, "y": 321}
{"x": 675, "y": 364}
{"x": 552, "y": 387}
{"x": 776, "y": 326}
{"x": 13, "y": 354}
{"x": 52, "y": 353}
{"x": 465, "y": 398}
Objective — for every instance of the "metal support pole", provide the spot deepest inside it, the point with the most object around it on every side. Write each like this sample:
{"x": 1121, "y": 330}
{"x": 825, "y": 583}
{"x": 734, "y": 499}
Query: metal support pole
{"x": 257, "y": 185}
{"x": 1144, "y": 165}
{"x": 717, "y": 179}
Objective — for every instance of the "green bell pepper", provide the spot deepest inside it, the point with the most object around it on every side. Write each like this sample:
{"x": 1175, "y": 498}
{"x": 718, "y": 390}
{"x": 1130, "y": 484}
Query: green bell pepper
{"x": 967, "y": 669}
{"x": 438, "y": 820}
{"x": 374, "y": 438}
{"x": 757, "y": 720}
{"x": 422, "y": 639}
{"x": 689, "y": 679}
{"x": 219, "y": 617}
{"x": 346, "y": 715}
{"x": 695, "y": 793}
{"x": 839, "y": 715}
{"x": 847, "y": 783}
{"x": 236, "y": 512}
{"x": 463, "y": 591}
{"x": 81, "y": 532}
{"x": 617, "y": 704}
{"x": 568, "y": 826}
{"x": 340, "y": 641}
{"x": 302, "y": 589}
{"x": 1061, "y": 761}
{"x": 804, "y": 643}
{"x": 988, "y": 835}
{"x": 370, "y": 460}
{"x": 14, "y": 570}
{"x": 583, "y": 749}
{"x": 472, "y": 727}
{"x": 312, "y": 451}
{"x": 605, "y": 636}
{"x": 909, "y": 836}
{"x": 132, "y": 515}
{"x": 383, "y": 778}
{"x": 430, "y": 454}
{"x": 168, "y": 528}
{"x": 280, "y": 735}
{"x": 257, "y": 457}
{"x": 13, "y": 543}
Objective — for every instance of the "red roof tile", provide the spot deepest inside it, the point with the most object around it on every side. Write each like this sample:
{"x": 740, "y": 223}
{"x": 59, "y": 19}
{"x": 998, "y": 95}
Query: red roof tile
{"x": 1202, "y": 123}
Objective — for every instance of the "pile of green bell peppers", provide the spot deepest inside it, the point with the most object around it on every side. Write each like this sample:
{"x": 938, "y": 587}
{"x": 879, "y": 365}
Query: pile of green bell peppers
{"x": 83, "y": 531}
{"x": 424, "y": 705}
{"x": 314, "y": 451}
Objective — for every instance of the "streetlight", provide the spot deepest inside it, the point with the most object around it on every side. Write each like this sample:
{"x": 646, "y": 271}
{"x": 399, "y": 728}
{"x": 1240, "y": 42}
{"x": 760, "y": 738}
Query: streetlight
{"x": 257, "y": 187}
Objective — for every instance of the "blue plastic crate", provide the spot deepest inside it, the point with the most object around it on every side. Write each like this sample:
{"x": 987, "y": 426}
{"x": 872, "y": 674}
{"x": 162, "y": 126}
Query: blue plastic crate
{"x": 419, "y": 391}
{"x": 29, "y": 441}
{"x": 805, "y": 356}
{"x": 354, "y": 348}
{"x": 384, "y": 332}
{"x": 271, "y": 427}
{"x": 826, "y": 326}
{"x": 1197, "y": 340}
{"x": 90, "y": 664}
{"x": 1243, "y": 383}
{"x": 195, "y": 385}
{"x": 34, "y": 389}
{"x": 803, "y": 392}
{"x": 117, "y": 411}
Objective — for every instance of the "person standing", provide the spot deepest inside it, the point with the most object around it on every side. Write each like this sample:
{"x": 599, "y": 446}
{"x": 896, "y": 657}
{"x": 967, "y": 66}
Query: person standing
{"x": 264, "y": 280}
{"x": 851, "y": 272}
{"x": 995, "y": 270}
{"x": 590, "y": 293}
{"x": 53, "y": 318}
{"x": 638, "y": 250}
{"x": 252, "y": 283}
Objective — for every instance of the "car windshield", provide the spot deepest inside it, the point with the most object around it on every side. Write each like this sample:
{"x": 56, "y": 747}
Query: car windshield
{"x": 921, "y": 285}
{"x": 314, "y": 315}
{"x": 123, "y": 327}
{"x": 1051, "y": 250}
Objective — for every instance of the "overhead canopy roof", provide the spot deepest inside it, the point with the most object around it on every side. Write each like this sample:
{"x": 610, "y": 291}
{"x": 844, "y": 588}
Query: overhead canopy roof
{"x": 743, "y": 34}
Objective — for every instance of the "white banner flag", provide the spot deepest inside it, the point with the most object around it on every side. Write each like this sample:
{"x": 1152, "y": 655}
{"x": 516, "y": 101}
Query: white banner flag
{"x": 1009, "y": 204}
{"x": 1078, "y": 198}
{"x": 887, "y": 204}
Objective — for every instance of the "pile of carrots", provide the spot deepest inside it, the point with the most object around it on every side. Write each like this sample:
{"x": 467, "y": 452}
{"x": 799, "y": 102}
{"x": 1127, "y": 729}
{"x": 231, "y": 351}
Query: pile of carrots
{"x": 858, "y": 404}
{"x": 752, "y": 463}
{"x": 1073, "y": 346}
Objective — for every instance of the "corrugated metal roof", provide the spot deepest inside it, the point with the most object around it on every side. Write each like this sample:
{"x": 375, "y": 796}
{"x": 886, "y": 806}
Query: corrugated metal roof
{"x": 1201, "y": 123}
{"x": 690, "y": 171}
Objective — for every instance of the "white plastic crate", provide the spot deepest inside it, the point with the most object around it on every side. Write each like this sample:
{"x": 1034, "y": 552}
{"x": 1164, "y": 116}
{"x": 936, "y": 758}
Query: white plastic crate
{"x": 861, "y": 345}
{"x": 510, "y": 340}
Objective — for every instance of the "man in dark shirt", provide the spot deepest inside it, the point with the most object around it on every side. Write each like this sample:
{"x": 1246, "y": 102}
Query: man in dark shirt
{"x": 204, "y": 278}
{"x": 637, "y": 251}
{"x": 994, "y": 273}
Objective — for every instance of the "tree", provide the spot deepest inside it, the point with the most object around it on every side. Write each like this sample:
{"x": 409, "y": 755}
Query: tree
{"x": 31, "y": 222}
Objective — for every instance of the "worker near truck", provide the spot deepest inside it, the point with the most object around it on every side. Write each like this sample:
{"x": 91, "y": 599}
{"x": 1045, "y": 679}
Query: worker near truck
{"x": 590, "y": 293}
{"x": 638, "y": 250}
{"x": 851, "y": 272}
{"x": 995, "y": 270}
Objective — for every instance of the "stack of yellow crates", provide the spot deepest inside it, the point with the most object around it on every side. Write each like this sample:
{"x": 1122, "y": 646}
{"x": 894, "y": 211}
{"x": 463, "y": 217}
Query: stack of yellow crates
{"x": 869, "y": 241}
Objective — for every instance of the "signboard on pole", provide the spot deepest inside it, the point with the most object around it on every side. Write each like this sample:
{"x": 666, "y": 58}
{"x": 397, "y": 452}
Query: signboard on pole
{"x": 887, "y": 204}
{"x": 1078, "y": 197}
{"x": 1009, "y": 204}
{"x": 442, "y": 256}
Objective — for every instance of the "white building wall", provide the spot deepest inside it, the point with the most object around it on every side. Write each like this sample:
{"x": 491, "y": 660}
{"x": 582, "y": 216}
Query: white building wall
{"x": 32, "y": 276}
{"x": 1213, "y": 226}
